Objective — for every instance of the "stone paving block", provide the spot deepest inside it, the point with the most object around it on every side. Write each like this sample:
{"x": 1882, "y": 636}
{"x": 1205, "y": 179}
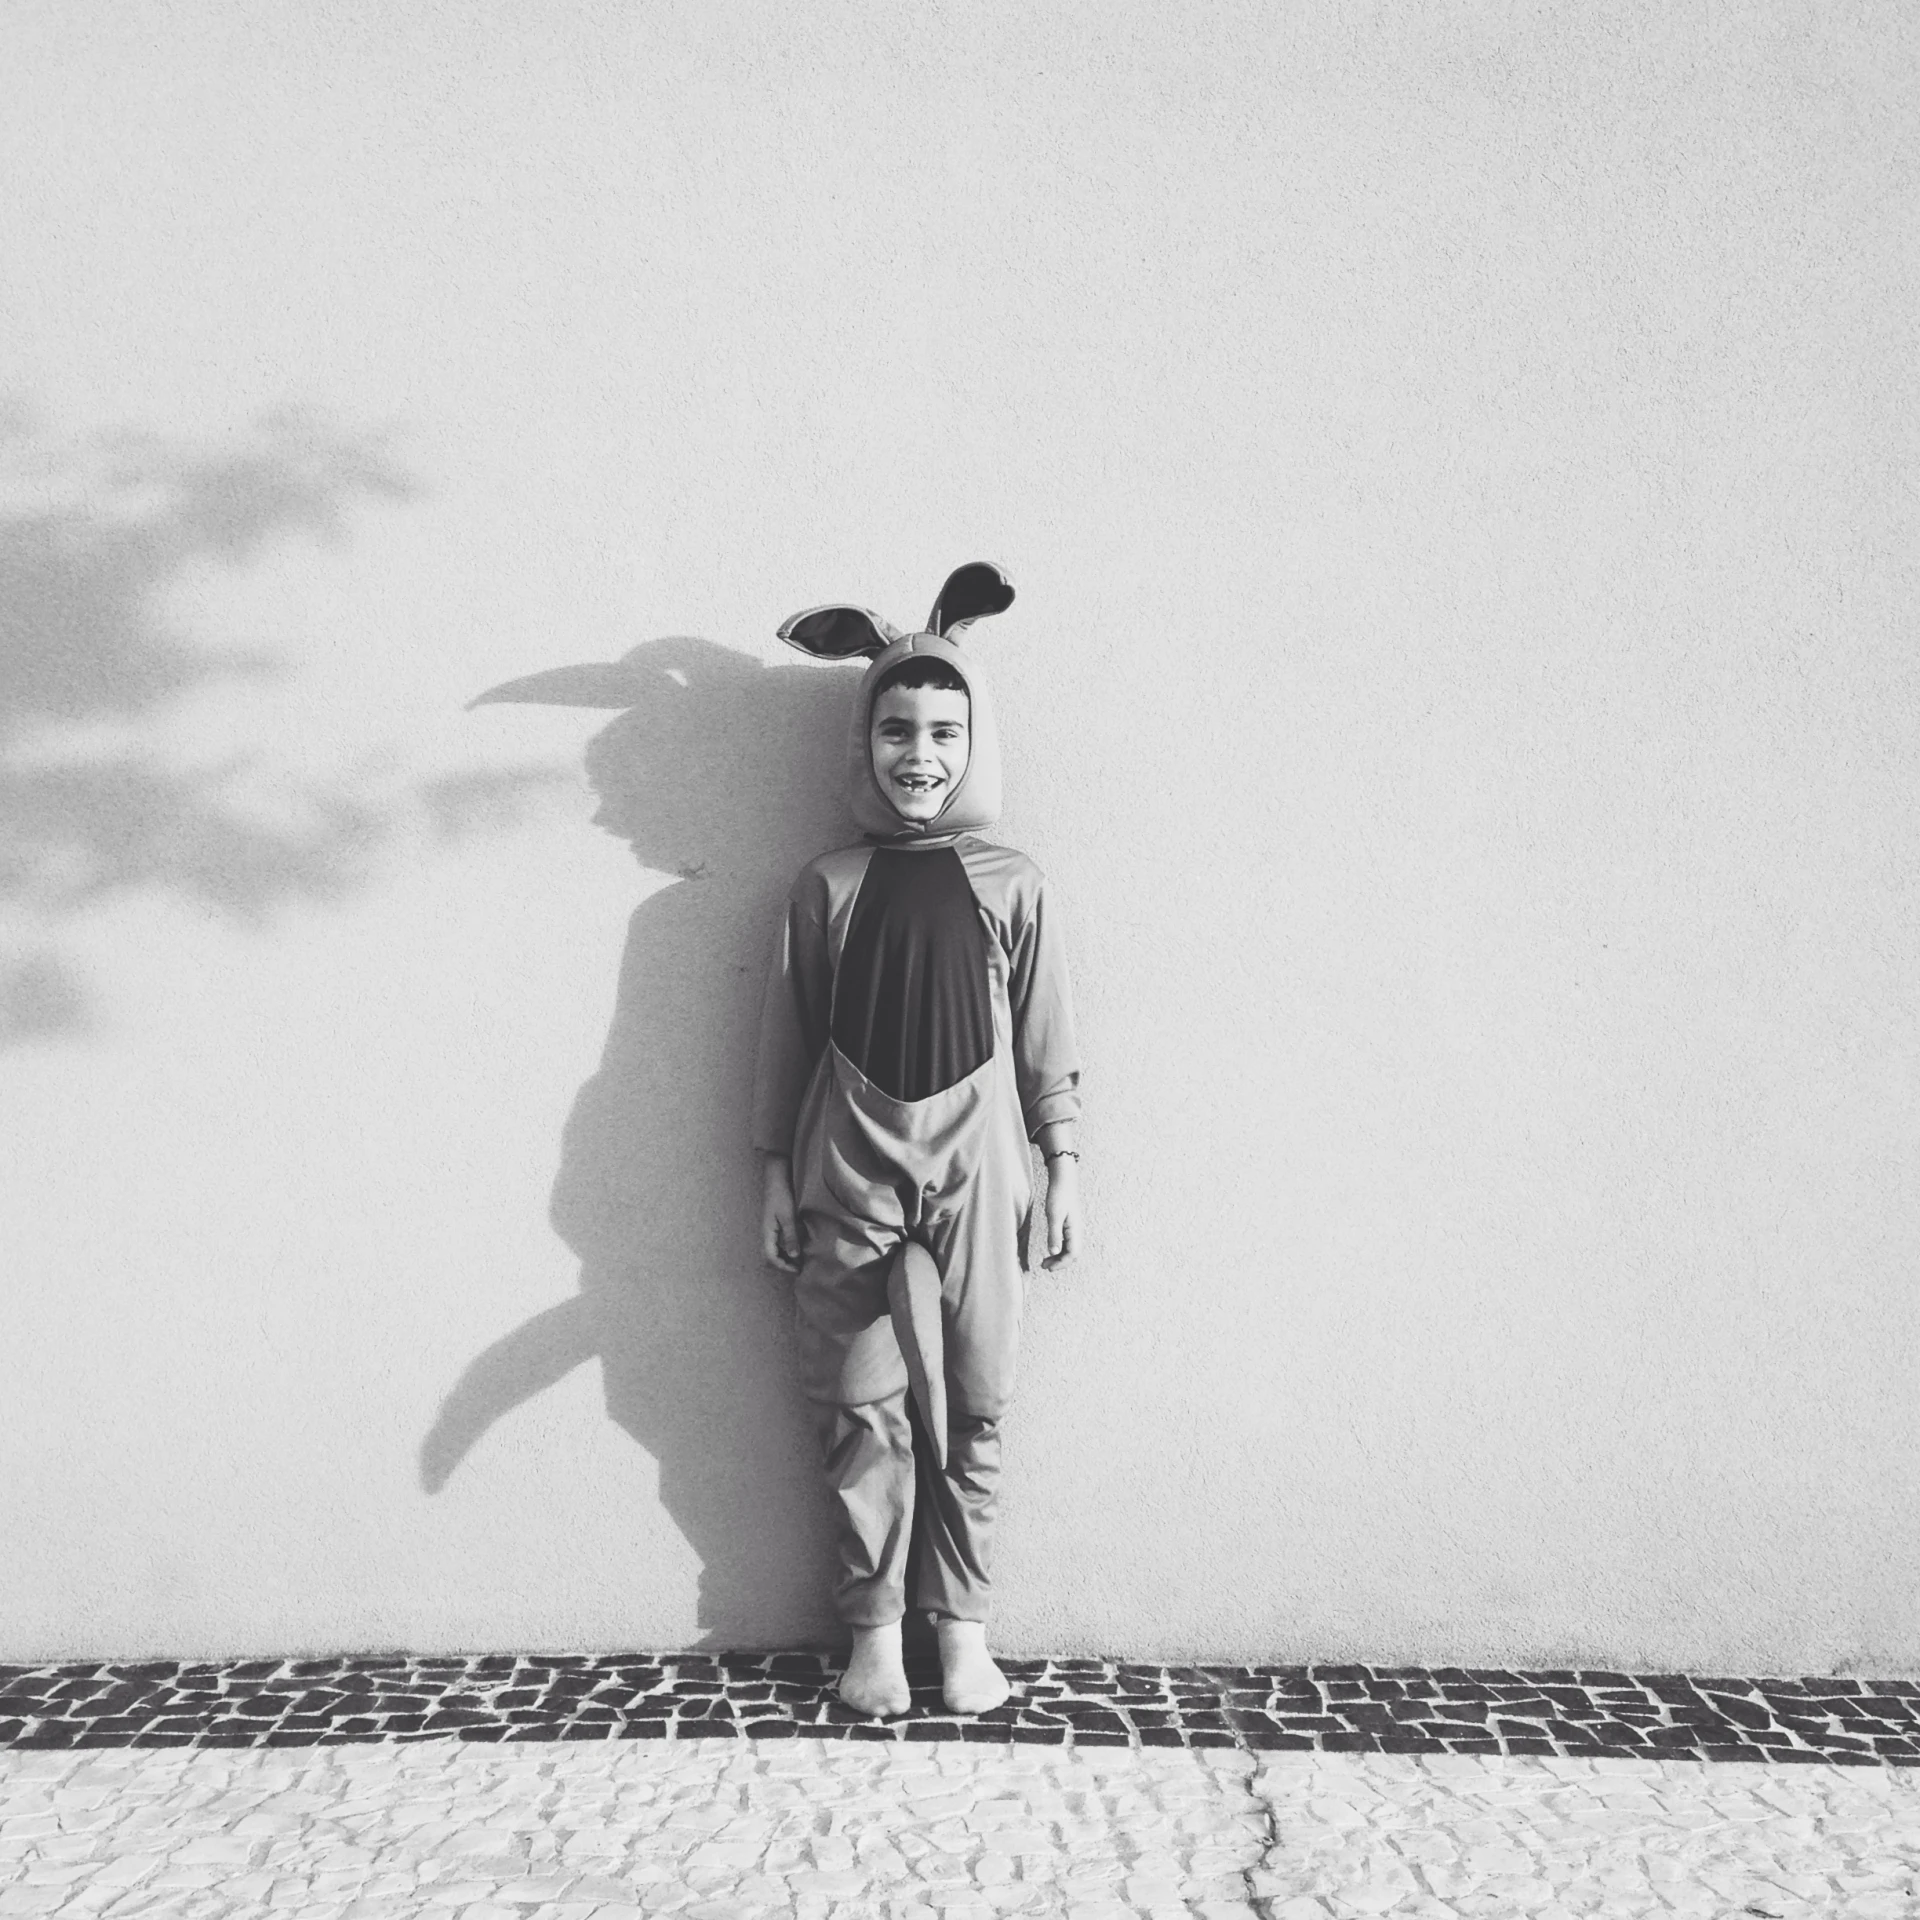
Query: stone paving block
{"x": 1017, "y": 1840}
{"x": 456, "y": 1893}
{"x": 32, "y": 1899}
{"x": 45, "y": 1872}
{"x": 92, "y": 1899}
{"x": 588, "y": 1843}
{"x": 534, "y": 1891}
{"x": 1091, "y": 1880}
{"x": 839, "y": 1883}
{"x": 143, "y": 1905}
{"x": 602, "y": 1888}
{"x": 185, "y": 1879}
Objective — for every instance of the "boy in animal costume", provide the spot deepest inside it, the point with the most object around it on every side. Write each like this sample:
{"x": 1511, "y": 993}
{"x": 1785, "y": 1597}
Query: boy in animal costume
{"x": 917, "y": 1035}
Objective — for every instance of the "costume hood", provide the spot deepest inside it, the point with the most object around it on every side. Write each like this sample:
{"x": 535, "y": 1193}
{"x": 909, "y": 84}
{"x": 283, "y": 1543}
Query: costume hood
{"x": 843, "y": 632}
{"x": 975, "y": 800}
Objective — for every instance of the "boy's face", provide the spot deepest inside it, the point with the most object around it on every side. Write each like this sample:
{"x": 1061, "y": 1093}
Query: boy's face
{"x": 919, "y": 743}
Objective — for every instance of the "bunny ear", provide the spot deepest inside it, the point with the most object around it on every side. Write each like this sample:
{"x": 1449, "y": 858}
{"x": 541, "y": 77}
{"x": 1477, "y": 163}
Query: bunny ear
{"x": 971, "y": 593}
{"x": 838, "y": 633}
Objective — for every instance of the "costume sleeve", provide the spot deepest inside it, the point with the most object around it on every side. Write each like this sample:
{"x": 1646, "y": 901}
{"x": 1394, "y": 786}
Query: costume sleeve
{"x": 1045, "y": 1060}
{"x": 793, "y": 1017}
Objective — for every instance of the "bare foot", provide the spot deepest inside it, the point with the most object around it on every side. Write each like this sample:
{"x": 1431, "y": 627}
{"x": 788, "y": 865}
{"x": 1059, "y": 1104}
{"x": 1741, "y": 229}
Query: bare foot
{"x": 875, "y": 1682}
{"x": 969, "y": 1680}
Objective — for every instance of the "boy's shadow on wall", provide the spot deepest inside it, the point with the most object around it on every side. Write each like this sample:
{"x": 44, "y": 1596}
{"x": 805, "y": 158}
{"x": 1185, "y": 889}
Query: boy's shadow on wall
{"x": 727, "y": 774}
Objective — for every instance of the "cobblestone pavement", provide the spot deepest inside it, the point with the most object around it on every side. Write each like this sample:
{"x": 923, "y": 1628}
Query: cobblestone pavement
{"x": 1075, "y": 1703}
{"x": 725, "y": 1830}
{"x": 1430, "y": 1838}
{"x": 605, "y": 1832}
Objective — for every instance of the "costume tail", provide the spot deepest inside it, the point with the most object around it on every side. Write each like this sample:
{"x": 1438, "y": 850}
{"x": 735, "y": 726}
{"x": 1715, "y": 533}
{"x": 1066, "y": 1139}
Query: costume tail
{"x": 913, "y": 1295}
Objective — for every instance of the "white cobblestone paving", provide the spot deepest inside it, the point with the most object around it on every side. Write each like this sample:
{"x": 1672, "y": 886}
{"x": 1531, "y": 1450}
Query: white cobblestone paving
{"x": 939, "y": 1830}
{"x": 1418, "y": 1838}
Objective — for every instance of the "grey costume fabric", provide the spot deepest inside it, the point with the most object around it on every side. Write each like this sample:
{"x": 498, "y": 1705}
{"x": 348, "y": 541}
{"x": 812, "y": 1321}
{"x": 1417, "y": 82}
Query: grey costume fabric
{"x": 951, "y": 1170}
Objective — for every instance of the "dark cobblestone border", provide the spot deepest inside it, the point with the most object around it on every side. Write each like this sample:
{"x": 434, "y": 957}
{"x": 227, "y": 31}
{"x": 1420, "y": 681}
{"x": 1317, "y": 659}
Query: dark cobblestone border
{"x": 681, "y": 1696}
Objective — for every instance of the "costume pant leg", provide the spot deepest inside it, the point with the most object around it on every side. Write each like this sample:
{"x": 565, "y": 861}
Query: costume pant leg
{"x": 852, "y": 1371}
{"x": 975, "y": 1241}
{"x": 868, "y": 1452}
{"x": 957, "y": 1506}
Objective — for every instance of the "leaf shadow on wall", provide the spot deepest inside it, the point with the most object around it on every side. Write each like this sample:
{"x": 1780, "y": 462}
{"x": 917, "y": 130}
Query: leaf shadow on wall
{"x": 727, "y": 774}
{"x": 98, "y": 798}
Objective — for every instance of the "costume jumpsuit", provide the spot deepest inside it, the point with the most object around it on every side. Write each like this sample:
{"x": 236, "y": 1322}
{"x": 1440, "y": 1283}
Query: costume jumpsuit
{"x": 917, "y": 1033}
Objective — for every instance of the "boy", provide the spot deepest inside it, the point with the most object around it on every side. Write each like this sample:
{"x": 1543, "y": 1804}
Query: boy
{"x": 917, "y": 1035}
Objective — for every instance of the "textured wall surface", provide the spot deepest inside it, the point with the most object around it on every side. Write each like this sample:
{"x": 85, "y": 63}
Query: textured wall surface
{"x": 1458, "y": 468}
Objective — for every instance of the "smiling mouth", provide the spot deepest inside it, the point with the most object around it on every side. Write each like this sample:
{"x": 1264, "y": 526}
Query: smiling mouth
{"x": 918, "y": 782}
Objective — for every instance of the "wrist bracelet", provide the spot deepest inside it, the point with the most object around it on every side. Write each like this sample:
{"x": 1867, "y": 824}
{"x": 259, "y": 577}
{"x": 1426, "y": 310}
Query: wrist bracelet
{"x": 1062, "y": 1153}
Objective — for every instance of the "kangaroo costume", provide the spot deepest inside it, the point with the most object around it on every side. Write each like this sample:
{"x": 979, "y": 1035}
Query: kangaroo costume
{"x": 916, "y": 1035}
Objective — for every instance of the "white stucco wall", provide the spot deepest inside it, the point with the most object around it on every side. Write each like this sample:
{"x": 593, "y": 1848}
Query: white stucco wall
{"x": 1457, "y": 466}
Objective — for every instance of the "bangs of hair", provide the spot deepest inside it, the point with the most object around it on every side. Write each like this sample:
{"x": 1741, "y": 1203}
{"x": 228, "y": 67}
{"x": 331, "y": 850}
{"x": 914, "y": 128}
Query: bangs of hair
{"x": 920, "y": 672}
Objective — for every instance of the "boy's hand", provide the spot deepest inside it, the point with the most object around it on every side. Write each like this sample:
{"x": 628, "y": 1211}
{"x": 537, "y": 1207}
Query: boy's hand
{"x": 1063, "y": 1211}
{"x": 779, "y": 1218}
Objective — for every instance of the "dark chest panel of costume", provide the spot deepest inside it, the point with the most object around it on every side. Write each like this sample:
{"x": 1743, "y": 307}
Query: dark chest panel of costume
{"x": 911, "y": 1005}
